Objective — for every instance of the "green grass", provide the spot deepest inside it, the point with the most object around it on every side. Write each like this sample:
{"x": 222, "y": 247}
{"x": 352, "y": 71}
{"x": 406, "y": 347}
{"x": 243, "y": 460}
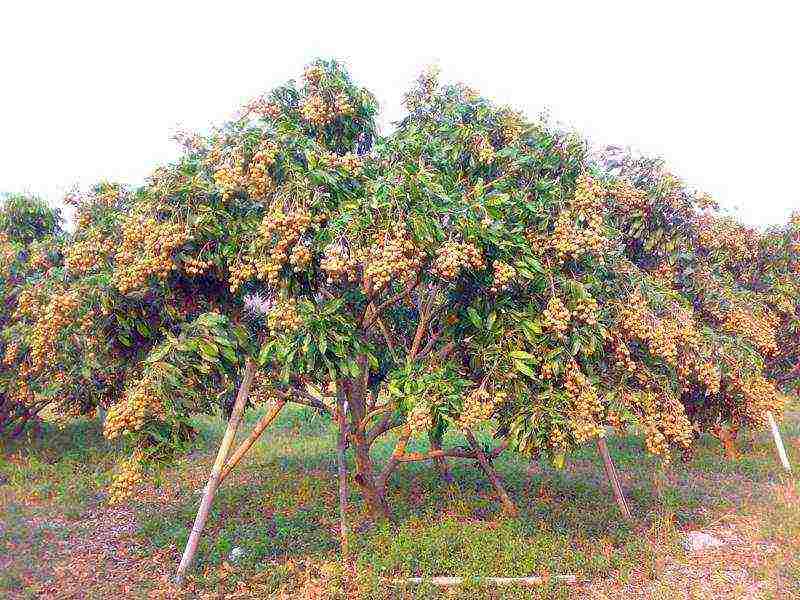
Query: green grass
{"x": 280, "y": 507}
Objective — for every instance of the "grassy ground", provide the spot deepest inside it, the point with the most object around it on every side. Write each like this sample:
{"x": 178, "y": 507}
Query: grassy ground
{"x": 59, "y": 539}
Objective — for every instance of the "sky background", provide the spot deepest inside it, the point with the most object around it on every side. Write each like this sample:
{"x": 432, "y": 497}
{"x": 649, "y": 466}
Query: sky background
{"x": 93, "y": 91}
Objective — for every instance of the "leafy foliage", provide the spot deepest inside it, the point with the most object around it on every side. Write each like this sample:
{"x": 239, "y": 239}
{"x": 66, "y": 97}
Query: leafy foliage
{"x": 470, "y": 267}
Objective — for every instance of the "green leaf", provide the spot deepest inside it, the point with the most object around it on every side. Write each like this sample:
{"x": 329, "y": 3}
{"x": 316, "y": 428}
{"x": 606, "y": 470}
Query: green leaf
{"x": 474, "y": 317}
{"x": 524, "y": 369}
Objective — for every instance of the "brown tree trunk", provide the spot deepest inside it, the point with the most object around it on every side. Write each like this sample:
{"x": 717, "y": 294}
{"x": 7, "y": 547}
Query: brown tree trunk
{"x": 366, "y": 480}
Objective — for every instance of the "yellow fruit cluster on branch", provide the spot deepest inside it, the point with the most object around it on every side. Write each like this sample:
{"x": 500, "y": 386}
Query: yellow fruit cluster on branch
{"x": 419, "y": 418}
{"x": 664, "y": 421}
{"x": 479, "y": 406}
{"x": 759, "y": 330}
{"x": 453, "y": 257}
{"x": 129, "y": 475}
{"x": 283, "y": 317}
{"x": 137, "y": 405}
{"x": 146, "y": 250}
{"x": 585, "y": 407}
{"x": 556, "y": 317}
{"x": 502, "y": 276}
{"x": 395, "y": 258}
{"x": 338, "y": 264}
{"x": 54, "y": 317}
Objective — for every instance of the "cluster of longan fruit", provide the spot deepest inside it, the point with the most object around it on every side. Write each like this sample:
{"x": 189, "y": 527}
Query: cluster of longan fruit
{"x": 635, "y": 319}
{"x": 556, "y": 317}
{"x": 587, "y": 200}
{"x": 665, "y": 273}
{"x": 12, "y": 350}
{"x": 452, "y": 257}
{"x": 484, "y": 151}
{"x": 281, "y": 230}
{"x": 300, "y": 257}
{"x": 342, "y": 104}
{"x": 622, "y": 356}
{"x": 760, "y": 331}
{"x": 259, "y": 182}
{"x": 7, "y": 254}
{"x": 229, "y": 178}
{"x": 338, "y": 265}
{"x": 419, "y": 418}
{"x": 241, "y": 271}
{"x": 129, "y": 475}
{"x": 264, "y": 107}
{"x": 512, "y": 127}
{"x": 664, "y": 421}
{"x": 315, "y": 111}
{"x": 195, "y": 266}
{"x": 502, "y": 276}
{"x": 57, "y": 315}
{"x": 84, "y": 255}
{"x": 759, "y": 396}
{"x": 569, "y": 241}
{"x": 284, "y": 317}
{"x": 725, "y": 234}
{"x": 586, "y": 310}
{"x": 627, "y": 195}
{"x": 585, "y": 406}
{"x": 146, "y": 250}
{"x": 479, "y": 406}
{"x": 129, "y": 415}
{"x": 394, "y": 259}
{"x": 708, "y": 375}
{"x": 350, "y": 163}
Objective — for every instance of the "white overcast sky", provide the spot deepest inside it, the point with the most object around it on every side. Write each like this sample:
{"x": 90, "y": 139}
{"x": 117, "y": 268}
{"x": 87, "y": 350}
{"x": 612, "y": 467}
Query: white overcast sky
{"x": 93, "y": 90}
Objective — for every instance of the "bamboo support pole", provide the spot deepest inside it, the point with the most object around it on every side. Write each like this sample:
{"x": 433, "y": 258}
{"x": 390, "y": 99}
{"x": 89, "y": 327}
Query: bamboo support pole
{"x": 613, "y": 479}
{"x": 259, "y": 428}
{"x": 776, "y": 436}
{"x": 508, "y": 505}
{"x": 214, "y": 478}
{"x": 499, "y": 581}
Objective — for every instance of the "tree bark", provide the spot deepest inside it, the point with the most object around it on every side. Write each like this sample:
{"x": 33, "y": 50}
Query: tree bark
{"x": 374, "y": 493}
{"x": 343, "y": 491}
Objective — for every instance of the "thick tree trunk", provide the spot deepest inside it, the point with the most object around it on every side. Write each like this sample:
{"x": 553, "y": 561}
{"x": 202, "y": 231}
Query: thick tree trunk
{"x": 374, "y": 494}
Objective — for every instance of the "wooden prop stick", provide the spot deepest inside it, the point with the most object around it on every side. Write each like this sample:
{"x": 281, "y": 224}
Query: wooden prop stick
{"x": 611, "y": 473}
{"x": 519, "y": 581}
{"x": 508, "y": 506}
{"x": 262, "y": 424}
{"x": 343, "y": 490}
{"x": 776, "y": 435}
{"x": 213, "y": 480}
{"x": 441, "y": 461}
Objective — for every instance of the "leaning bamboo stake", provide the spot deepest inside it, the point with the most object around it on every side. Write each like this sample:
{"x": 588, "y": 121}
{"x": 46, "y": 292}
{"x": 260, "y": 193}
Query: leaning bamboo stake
{"x": 213, "y": 480}
{"x": 500, "y": 581}
{"x": 776, "y": 436}
{"x": 508, "y": 505}
{"x": 259, "y": 428}
{"x": 611, "y": 473}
